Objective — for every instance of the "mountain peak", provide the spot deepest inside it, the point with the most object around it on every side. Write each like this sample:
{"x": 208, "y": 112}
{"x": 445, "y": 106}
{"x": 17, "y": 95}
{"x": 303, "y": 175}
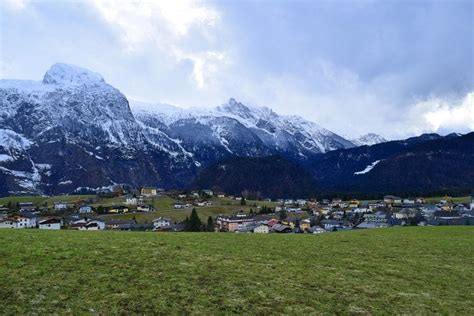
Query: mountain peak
{"x": 368, "y": 139}
{"x": 70, "y": 74}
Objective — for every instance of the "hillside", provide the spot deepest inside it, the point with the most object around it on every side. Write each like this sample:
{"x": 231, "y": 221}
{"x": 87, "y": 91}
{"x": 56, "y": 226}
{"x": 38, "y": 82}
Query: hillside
{"x": 425, "y": 270}
{"x": 273, "y": 177}
{"x": 429, "y": 164}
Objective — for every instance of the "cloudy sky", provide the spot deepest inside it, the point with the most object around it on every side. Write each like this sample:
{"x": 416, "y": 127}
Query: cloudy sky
{"x": 397, "y": 68}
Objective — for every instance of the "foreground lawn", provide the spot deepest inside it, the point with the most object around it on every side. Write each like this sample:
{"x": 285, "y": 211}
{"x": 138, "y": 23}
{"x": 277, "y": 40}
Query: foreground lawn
{"x": 401, "y": 270}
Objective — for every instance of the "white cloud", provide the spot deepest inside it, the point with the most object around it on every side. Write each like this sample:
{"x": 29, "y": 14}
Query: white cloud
{"x": 442, "y": 114}
{"x": 162, "y": 26}
{"x": 16, "y": 5}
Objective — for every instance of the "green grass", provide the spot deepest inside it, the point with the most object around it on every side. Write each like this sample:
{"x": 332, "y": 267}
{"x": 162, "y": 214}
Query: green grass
{"x": 40, "y": 200}
{"x": 420, "y": 270}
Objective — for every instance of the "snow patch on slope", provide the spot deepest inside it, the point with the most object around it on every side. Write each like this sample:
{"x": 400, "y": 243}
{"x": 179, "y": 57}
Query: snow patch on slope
{"x": 368, "y": 168}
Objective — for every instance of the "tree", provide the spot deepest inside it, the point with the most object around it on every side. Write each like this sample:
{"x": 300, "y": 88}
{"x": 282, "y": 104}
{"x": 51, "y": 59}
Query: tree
{"x": 100, "y": 209}
{"x": 210, "y": 224}
{"x": 243, "y": 202}
{"x": 194, "y": 222}
{"x": 283, "y": 215}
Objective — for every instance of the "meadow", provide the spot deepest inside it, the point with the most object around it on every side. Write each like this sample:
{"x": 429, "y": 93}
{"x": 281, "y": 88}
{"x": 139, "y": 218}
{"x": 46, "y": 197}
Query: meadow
{"x": 412, "y": 270}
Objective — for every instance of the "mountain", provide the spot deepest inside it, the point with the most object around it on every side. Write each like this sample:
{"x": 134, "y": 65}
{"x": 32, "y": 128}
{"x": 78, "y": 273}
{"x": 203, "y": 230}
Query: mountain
{"x": 73, "y": 130}
{"x": 272, "y": 176}
{"x": 426, "y": 164}
{"x": 235, "y": 129}
{"x": 368, "y": 139}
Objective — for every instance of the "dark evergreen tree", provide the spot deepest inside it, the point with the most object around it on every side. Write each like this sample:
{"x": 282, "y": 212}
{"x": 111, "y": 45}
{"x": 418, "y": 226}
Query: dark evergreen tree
{"x": 243, "y": 202}
{"x": 210, "y": 224}
{"x": 194, "y": 221}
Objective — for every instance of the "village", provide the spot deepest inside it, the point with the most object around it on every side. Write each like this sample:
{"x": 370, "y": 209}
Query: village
{"x": 152, "y": 209}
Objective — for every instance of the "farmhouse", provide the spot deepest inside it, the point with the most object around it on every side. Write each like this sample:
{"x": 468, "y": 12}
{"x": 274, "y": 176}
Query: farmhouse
{"x": 149, "y": 191}
{"x": 8, "y": 223}
{"x": 161, "y": 223}
{"x": 25, "y": 219}
{"x": 50, "y": 223}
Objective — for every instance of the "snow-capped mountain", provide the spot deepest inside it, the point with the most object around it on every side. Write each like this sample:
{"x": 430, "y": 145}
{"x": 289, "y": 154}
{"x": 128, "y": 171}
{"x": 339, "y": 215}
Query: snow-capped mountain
{"x": 237, "y": 129}
{"x": 368, "y": 139}
{"x": 72, "y": 129}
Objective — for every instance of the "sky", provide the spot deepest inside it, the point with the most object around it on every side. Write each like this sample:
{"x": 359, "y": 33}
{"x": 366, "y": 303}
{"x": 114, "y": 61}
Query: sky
{"x": 395, "y": 68}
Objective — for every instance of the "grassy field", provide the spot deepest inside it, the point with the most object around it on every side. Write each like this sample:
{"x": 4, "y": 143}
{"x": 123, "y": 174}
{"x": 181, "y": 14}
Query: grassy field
{"x": 422, "y": 270}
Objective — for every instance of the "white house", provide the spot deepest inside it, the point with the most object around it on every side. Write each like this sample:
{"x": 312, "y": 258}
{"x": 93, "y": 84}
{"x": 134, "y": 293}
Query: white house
{"x": 85, "y": 209}
{"x": 61, "y": 206}
{"x": 8, "y": 223}
{"x": 25, "y": 219}
{"x": 131, "y": 201}
{"x": 50, "y": 223}
{"x": 472, "y": 203}
{"x": 261, "y": 229}
{"x": 161, "y": 223}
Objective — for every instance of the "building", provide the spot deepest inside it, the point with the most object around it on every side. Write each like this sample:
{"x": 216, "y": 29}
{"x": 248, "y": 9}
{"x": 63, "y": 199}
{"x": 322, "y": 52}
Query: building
{"x": 58, "y": 206}
{"x": 472, "y": 203}
{"x": 8, "y": 223}
{"x": 25, "y": 219}
{"x": 50, "y": 223}
{"x": 85, "y": 209}
{"x": 379, "y": 217}
{"x": 391, "y": 199}
{"x": 261, "y": 229}
{"x": 88, "y": 224}
{"x": 233, "y": 223}
{"x": 161, "y": 223}
{"x": 149, "y": 191}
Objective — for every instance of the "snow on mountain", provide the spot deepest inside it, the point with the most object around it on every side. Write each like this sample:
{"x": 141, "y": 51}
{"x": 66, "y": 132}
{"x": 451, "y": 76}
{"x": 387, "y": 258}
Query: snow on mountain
{"x": 368, "y": 139}
{"x": 368, "y": 168}
{"x": 233, "y": 126}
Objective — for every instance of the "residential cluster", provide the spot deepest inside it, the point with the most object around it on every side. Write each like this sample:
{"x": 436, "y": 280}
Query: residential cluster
{"x": 282, "y": 216}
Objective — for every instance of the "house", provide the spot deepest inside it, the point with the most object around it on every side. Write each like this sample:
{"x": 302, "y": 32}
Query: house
{"x": 26, "y": 219}
{"x": 50, "y": 223}
{"x": 233, "y": 223}
{"x": 379, "y": 217}
{"x": 161, "y": 223}
{"x": 208, "y": 192}
{"x": 391, "y": 199}
{"x": 58, "y": 206}
{"x": 149, "y": 191}
{"x": 8, "y": 223}
{"x": 472, "y": 203}
{"x": 145, "y": 208}
{"x": 405, "y": 213}
{"x": 85, "y": 209}
{"x": 131, "y": 201}
{"x": 118, "y": 209}
{"x": 330, "y": 224}
{"x": 119, "y": 224}
{"x": 280, "y": 228}
{"x": 354, "y": 203}
{"x": 221, "y": 195}
{"x": 88, "y": 224}
{"x": 261, "y": 229}
{"x": 317, "y": 230}
{"x": 27, "y": 206}
{"x": 179, "y": 206}
{"x": 305, "y": 224}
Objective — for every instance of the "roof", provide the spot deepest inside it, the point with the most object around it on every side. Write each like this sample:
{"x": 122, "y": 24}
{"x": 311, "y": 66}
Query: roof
{"x": 51, "y": 220}
{"x": 26, "y": 214}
